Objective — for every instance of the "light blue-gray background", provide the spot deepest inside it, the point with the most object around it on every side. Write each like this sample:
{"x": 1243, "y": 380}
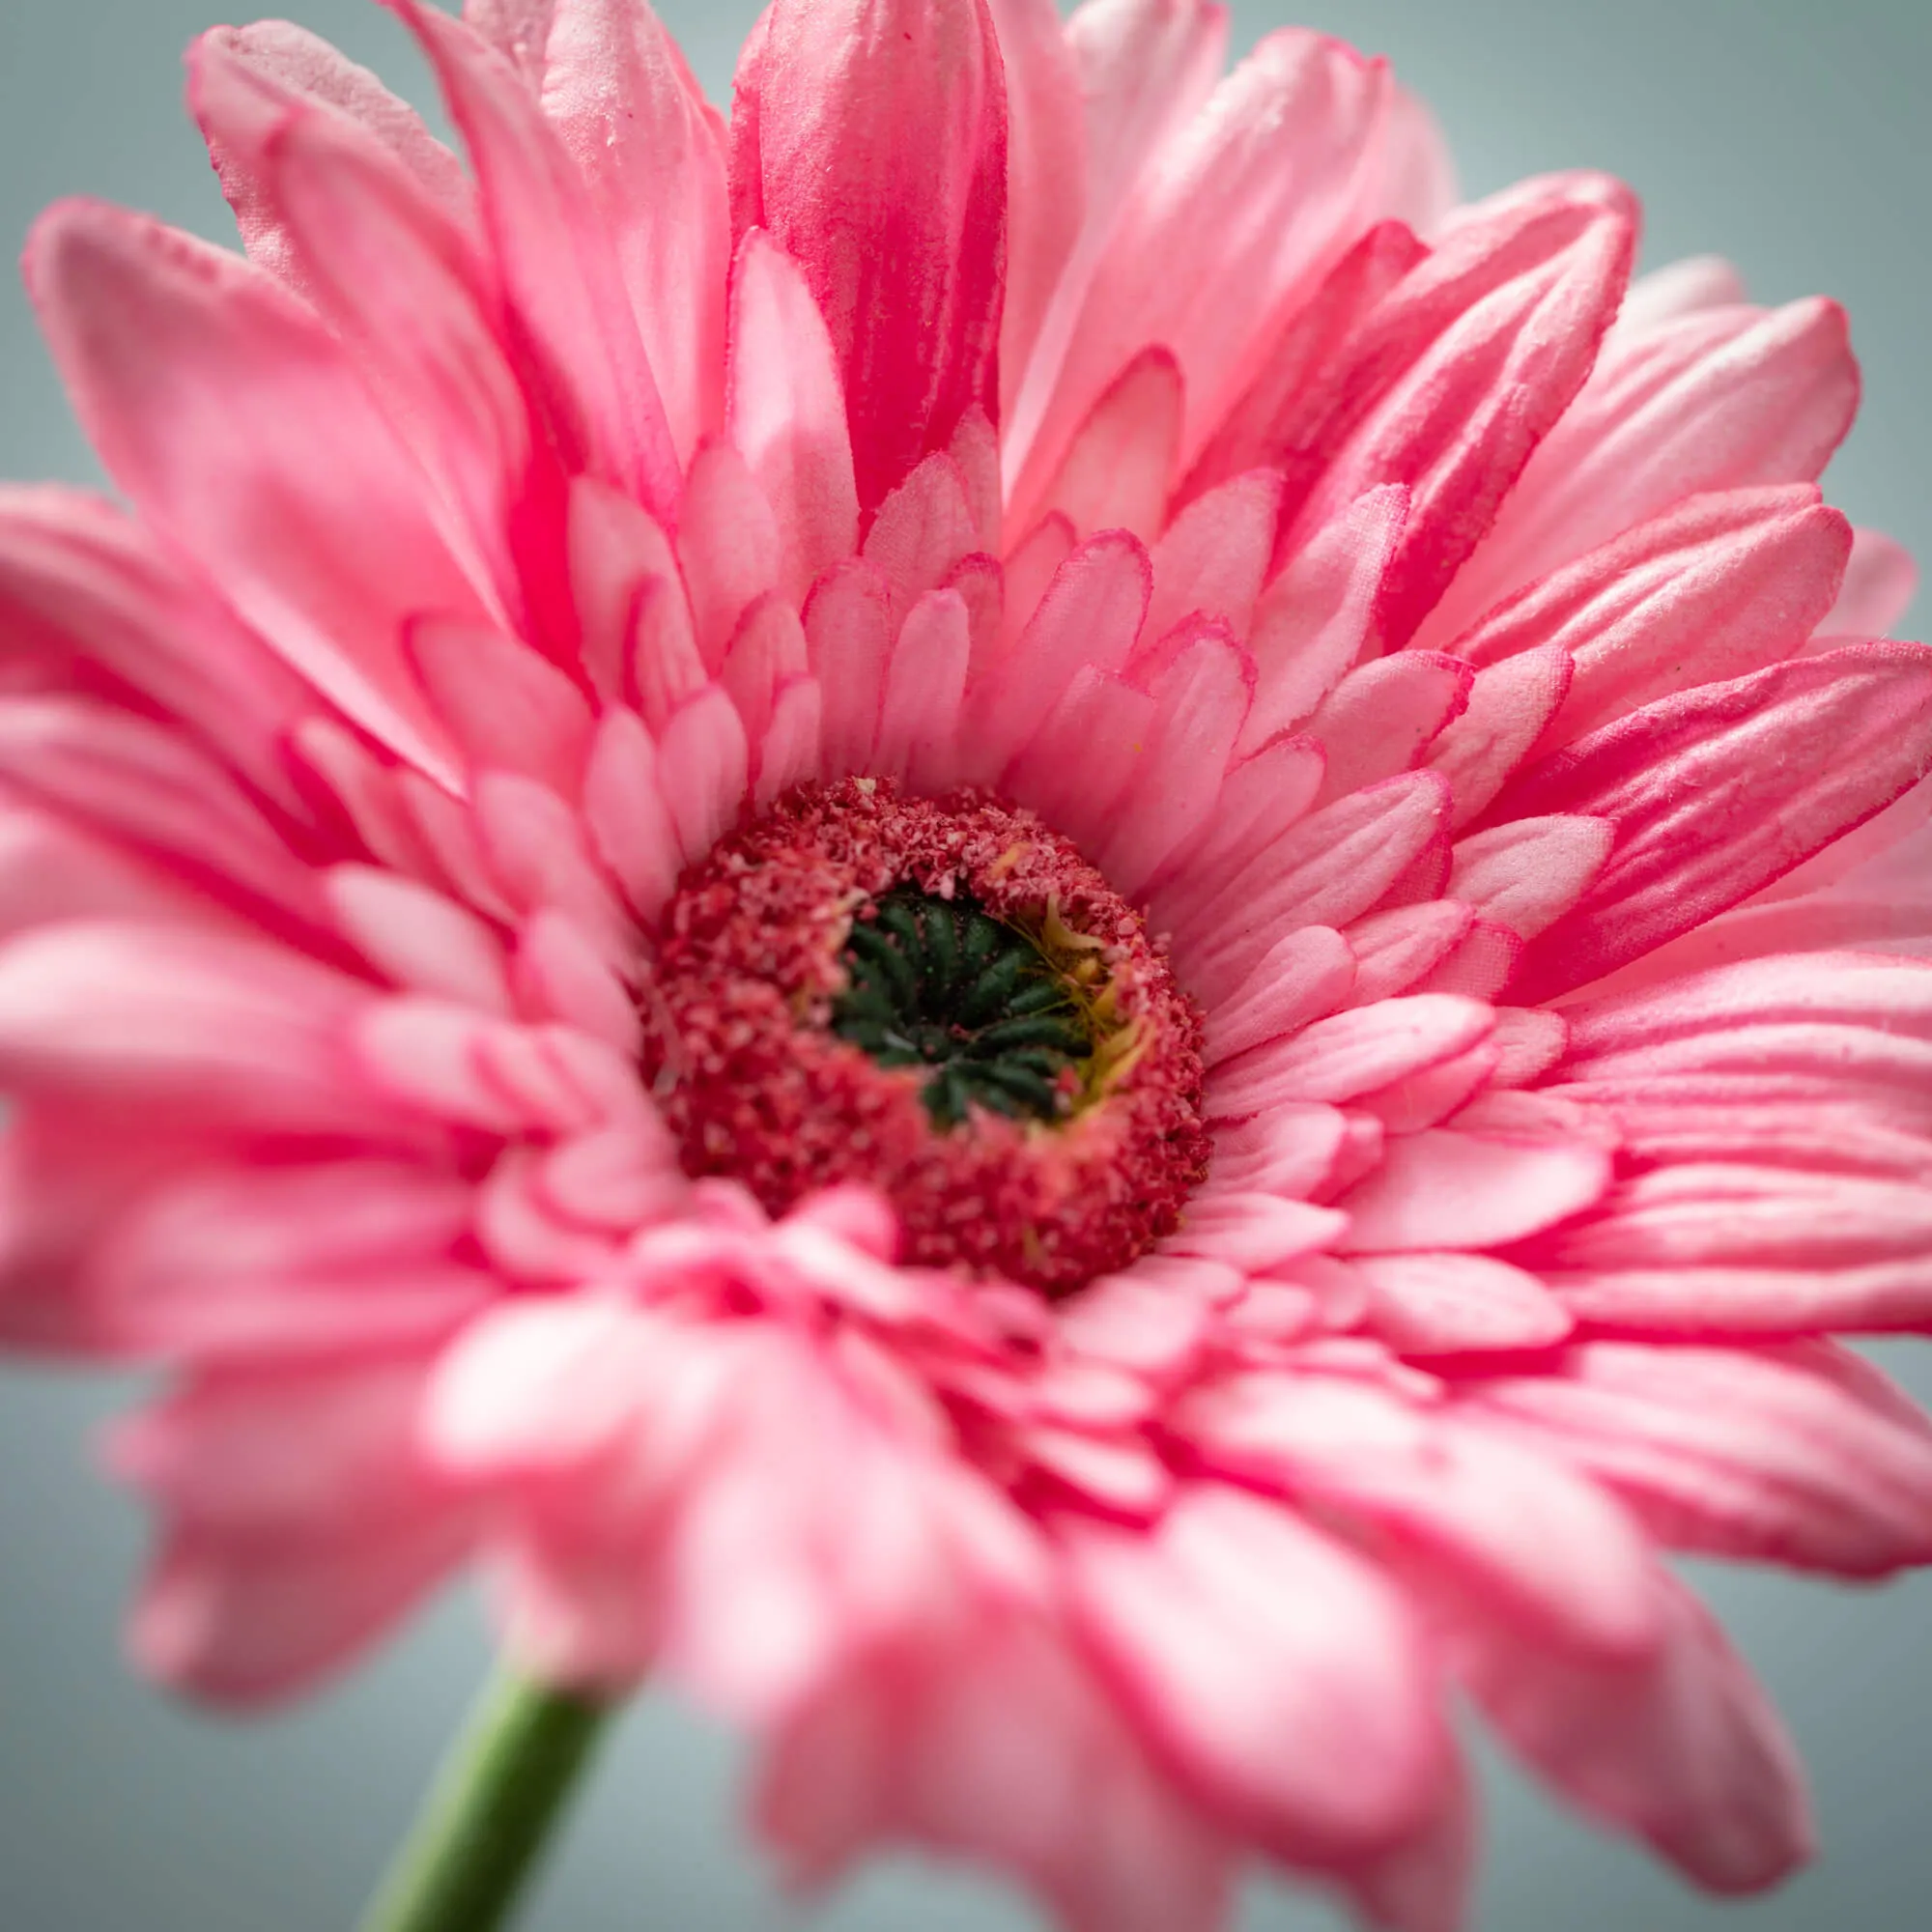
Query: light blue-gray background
{"x": 1791, "y": 134}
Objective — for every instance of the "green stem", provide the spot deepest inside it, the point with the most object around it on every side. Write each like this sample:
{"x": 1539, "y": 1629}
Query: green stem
{"x": 490, "y": 1811}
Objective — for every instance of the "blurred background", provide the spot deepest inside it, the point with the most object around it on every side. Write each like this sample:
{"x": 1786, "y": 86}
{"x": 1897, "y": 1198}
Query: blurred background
{"x": 1790, "y": 135}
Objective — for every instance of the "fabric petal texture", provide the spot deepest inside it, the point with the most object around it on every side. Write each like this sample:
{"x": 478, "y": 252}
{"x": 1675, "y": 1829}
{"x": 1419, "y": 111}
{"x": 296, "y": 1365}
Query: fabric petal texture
{"x": 1003, "y": 909}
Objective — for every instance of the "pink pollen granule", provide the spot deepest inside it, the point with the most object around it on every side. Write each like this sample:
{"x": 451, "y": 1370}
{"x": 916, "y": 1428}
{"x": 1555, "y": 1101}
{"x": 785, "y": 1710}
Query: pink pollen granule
{"x": 757, "y": 1086}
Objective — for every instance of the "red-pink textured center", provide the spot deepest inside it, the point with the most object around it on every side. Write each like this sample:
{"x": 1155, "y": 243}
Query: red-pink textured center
{"x": 757, "y": 1086}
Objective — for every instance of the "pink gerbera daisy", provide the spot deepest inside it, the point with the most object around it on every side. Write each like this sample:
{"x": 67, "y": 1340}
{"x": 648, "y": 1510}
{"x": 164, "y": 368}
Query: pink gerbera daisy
{"x": 1018, "y": 917}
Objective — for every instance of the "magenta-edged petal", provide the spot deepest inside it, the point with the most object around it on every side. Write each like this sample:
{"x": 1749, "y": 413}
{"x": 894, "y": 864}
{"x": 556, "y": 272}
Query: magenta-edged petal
{"x": 417, "y": 938}
{"x": 925, "y": 687}
{"x": 1528, "y": 873}
{"x": 1504, "y": 714}
{"x": 1718, "y": 791}
{"x": 787, "y": 412}
{"x": 872, "y": 142}
{"x": 1090, "y": 617}
{"x": 1310, "y": 1713}
{"x": 1721, "y": 399}
{"x": 176, "y": 354}
{"x": 86, "y": 595}
{"x": 849, "y": 633}
{"x": 1200, "y": 703}
{"x": 1256, "y": 430}
{"x": 1317, "y": 620}
{"x": 502, "y": 703}
{"x": 1077, "y": 766}
{"x": 1302, "y": 978}
{"x": 924, "y": 532}
{"x": 1348, "y": 1054}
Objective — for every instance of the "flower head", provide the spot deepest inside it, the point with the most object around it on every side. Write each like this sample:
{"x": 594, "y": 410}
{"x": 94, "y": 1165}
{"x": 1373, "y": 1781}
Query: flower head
{"x": 1015, "y": 915}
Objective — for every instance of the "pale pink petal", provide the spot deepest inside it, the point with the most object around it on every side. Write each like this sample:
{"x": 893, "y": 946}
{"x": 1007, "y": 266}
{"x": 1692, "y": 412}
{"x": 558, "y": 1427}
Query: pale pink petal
{"x": 241, "y": 79}
{"x": 1684, "y": 1751}
{"x": 1427, "y": 1304}
{"x": 787, "y": 412}
{"x": 1528, "y": 873}
{"x": 1880, "y": 580}
{"x": 1118, "y": 465}
{"x": 924, "y": 688}
{"x": 176, "y": 354}
{"x": 1383, "y": 716}
{"x": 559, "y": 269}
{"x": 729, "y": 545}
{"x": 1717, "y": 792}
{"x": 502, "y": 705}
{"x": 651, "y": 151}
{"x": 1349, "y": 1053}
{"x": 1308, "y": 1711}
{"x": 1723, "y": 399}
{"x": 1790, "y": 1455}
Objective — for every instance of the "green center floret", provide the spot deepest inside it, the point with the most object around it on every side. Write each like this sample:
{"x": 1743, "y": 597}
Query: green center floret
{"x": 937, "y": 983}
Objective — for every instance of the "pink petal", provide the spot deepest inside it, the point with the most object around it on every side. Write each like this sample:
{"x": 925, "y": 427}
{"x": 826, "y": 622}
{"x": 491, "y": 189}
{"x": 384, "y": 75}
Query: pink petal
{"x": 175, "y": 353}
{"x": 1443, "y": 1188}
{"x": 1725, "y": 399}
{"x": 729, "y": 545}
{"x": 1327, "y": 868}
{"x": 1252, "y": 1232}
{"x": 1214, "y": 555}
{"x": 787, "y": 412}
{"x": 650, "y": 150}
{"x": 418, "y": 938}
{"x": 85, "y": 593}
{"x": 502, "y": 705}
{"x": 1046, "y": 172}
{"x": 630, "y": 826}
{"x": 1283, "y": 1672}
{"x": 1395, "y": 949}
{"x": 1719, "y": 791}
{"x": 1091, "y": 616}
{"x": 1715, "y": 587}
{"x": 1798, "y": 1455}
{"x": 849, "y": 629}
{"x": 1302, "y": 978}
{"x": 560, "y": 270}
{"x": 872, "y": 142}
{"x": 1508, "y": 707}
{"x": 1529, "y": 1542}
{"x": 1317, "y": 620}
{"x": 1442, "y": 1303}
{"x": 1257, "y": 430}
{"x": 1880, "y": 580}
{"x": 1120, "y": 464}
{"x": 1349, "y": 1053}
{"x": 1530, "y": 871}
{"x": 925, "y": 689}
{"x": 1200, "y": 703}
{"x": 1684, "y": 1751}
{"x": 1081, "y": 760}
{"x": 1275, "y": 167}
{"x": 1383, "y": 716}
{"x": 922, "y": 531}
{"x": 1460, "y": 376}
{"x": 241, "y": 79}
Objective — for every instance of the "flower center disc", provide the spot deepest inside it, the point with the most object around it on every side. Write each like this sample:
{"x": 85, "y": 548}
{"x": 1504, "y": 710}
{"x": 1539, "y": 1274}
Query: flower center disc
{"x": 943, "y": 1000}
